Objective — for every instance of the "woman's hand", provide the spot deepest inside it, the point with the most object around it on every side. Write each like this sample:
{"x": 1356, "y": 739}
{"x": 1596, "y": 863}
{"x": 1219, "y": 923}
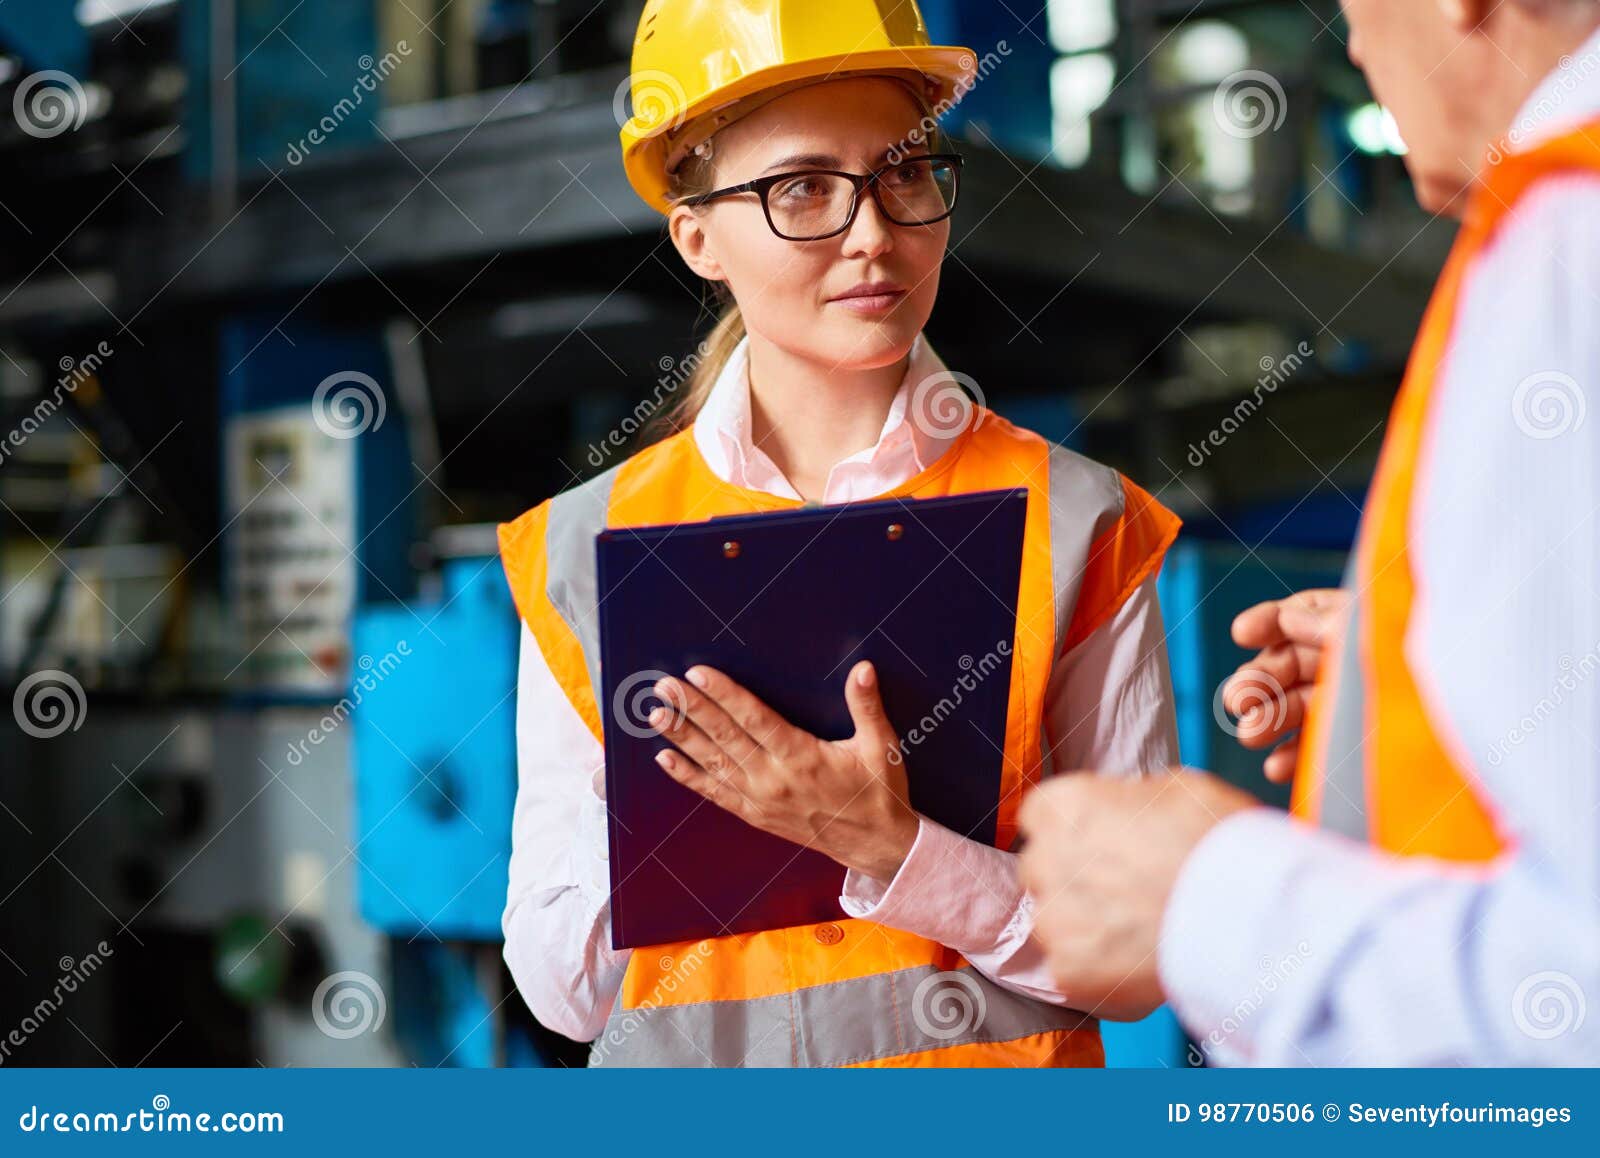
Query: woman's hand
{"x": 1268, "y": 694}
{"x": 845, "y": 798}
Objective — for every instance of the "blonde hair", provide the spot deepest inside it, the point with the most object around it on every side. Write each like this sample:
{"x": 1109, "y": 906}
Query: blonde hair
{"x": 695, "y": 177}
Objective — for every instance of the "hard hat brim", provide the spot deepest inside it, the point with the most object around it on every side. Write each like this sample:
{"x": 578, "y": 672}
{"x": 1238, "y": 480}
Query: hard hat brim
{"x": 951, "y": 71}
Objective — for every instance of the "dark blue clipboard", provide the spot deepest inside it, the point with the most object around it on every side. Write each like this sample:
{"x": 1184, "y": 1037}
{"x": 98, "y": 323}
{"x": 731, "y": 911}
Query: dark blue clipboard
{"x": 808, "y": 593}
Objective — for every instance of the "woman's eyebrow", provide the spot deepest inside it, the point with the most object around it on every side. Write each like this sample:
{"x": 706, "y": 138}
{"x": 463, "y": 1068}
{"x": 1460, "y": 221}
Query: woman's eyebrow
{"x": 803, "y": 159}
{"x": 821, "y": 160}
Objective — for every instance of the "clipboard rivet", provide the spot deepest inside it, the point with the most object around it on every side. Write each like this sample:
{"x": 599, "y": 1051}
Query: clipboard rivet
{"x": 895, "y": 531}
{"x": 730, "y": 549}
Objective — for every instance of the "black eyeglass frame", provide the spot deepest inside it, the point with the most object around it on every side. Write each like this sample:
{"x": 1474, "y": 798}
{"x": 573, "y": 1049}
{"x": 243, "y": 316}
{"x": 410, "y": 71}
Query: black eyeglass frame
{"x": 861, "y": 181}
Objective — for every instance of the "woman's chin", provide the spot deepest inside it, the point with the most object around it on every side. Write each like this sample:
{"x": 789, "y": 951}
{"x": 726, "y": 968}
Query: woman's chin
{"x": 870, "y": 343}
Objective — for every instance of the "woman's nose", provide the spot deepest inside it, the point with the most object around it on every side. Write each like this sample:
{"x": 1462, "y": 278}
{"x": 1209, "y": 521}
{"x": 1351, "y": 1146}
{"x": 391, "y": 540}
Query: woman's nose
{"x": 871, "y": 233}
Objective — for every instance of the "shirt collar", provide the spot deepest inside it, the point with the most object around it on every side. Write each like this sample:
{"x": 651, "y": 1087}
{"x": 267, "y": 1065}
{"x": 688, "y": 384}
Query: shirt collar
{"x": 1568, "y": 97}
{"x": 916, "y": 416}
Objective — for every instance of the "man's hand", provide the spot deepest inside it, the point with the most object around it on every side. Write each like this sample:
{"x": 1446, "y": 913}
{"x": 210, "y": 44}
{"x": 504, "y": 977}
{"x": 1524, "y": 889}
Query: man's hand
{"x": 1101, "y": 859}
{"x": 1269, "y": 693}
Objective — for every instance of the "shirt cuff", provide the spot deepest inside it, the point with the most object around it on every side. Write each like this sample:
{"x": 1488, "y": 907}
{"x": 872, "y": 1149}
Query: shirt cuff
{"x": 1236, "y": 929}
{"x": 592, "y": 852}
{"x": 950, "y": 889}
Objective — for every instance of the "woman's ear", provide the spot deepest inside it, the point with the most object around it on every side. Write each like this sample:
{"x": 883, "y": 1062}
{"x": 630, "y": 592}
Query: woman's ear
{"x": 693, "y": 243}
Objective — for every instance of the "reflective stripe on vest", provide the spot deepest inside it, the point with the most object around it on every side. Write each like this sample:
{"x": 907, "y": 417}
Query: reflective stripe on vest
{"x": 1377, "y": 763}
{"x": 883, "y": 1015}
{"x": 573, "y": 588}
{"x": 1343, "y": 799}
{"x": 795, "y": 996}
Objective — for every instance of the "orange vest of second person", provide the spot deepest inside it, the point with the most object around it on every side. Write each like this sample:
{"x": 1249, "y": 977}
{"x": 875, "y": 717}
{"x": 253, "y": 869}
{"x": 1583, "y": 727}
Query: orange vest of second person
{"x": 848, "y": 992}
{"x": 1378, "y": 762}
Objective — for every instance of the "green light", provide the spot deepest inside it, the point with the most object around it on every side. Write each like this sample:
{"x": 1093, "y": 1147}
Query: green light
{"x": 1374, "y": 131}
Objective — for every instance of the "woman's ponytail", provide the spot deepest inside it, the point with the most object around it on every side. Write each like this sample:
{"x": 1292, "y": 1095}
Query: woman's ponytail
{"x": 709, "y": 359}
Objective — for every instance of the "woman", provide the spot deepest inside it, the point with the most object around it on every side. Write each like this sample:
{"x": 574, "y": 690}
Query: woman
{"x": 773, "y": 167}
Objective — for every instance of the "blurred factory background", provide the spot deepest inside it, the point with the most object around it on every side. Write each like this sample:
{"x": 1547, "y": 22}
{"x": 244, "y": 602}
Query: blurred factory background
{"x": 298, "y": 299}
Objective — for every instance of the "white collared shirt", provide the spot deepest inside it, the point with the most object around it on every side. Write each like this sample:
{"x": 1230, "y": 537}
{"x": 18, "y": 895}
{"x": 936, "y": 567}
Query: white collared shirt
{"x": 1344, "y": 956}
{"x": 912, "y": 438}
{"x": 1109, "y": 706}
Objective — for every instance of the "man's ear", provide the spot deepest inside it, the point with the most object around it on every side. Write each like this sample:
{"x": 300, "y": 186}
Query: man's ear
{"x": 1464, "y": 15}
{"x": 693, "y": 243}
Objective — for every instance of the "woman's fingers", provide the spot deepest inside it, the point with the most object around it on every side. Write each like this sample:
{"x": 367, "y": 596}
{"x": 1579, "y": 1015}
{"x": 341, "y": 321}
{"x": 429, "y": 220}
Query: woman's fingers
{"x": 702, "y": 727}
{"x": 769, "y": 730}
{"x": 717, "y": 787}
{"x": 702, "y": 759}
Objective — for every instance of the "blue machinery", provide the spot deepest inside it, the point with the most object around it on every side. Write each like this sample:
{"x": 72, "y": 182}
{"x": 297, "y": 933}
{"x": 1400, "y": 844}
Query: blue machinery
{"x": 1203, "y": 586}
{"x": 436, "y": 758}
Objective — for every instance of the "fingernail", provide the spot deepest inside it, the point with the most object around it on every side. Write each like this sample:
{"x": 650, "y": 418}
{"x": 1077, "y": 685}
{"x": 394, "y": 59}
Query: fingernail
{"x": 656, "y": 716}
{"x": 664, "y": 758}
{"x": 864, "y": 676}
{"x": 697, "y": 677}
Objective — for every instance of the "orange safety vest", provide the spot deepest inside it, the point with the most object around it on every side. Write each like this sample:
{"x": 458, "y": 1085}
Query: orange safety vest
{"x": 1380, "y": 762}
{"x": 849, "y": 992}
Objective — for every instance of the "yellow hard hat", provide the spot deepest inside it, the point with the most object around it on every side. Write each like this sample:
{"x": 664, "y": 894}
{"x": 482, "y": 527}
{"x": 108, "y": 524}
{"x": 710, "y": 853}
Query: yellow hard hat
{"x": 692, "y": 58}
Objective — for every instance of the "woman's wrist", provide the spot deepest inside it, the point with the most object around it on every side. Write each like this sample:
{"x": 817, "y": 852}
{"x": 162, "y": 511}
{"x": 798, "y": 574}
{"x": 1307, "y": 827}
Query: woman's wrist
{"x": 882, "y": 862}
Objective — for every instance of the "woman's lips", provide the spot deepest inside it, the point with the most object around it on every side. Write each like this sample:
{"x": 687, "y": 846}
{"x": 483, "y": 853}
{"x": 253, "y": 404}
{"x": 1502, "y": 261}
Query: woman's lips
{"x": 874, "y": 299}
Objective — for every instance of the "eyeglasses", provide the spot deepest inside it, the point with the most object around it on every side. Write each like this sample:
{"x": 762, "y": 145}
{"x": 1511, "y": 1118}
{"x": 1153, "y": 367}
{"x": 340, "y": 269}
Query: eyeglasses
{"x": 814, "y": 204}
